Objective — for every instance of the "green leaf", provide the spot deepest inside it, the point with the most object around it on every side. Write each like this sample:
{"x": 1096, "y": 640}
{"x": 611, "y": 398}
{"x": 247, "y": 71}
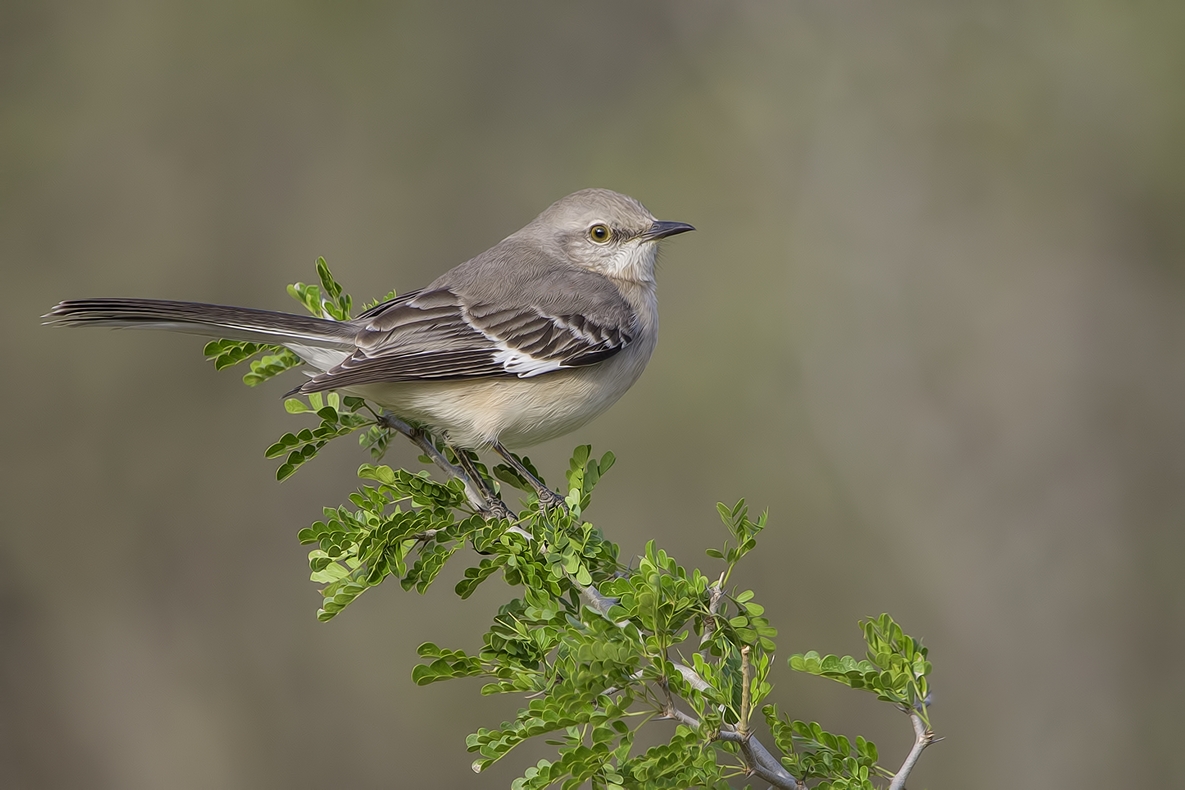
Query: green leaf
{"x": 383, "y": 474}
{"x": 607, "y": 461}
{"x": 511, "y": 477}
{"x": 271, "y": 366}
{"x": 331, "y": 573}
{"x": 295, "y": 406}
{"x": 227, "y": 353}
{"x": 475, "y": 576}
{"x": 332, "y": 289}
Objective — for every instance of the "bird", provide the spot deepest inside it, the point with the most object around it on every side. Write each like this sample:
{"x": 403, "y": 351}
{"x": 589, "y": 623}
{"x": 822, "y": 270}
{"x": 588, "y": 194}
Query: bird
{"x": 523, "y": 343}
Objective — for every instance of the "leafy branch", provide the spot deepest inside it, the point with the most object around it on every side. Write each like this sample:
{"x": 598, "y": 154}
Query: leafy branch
{"x": 600, "y": 648}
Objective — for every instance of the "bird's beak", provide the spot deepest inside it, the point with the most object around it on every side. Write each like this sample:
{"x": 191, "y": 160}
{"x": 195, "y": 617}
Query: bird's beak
{"x": 661, "y": 229}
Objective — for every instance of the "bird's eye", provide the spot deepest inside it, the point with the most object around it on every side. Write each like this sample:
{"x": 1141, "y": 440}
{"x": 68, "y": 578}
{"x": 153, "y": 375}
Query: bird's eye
{"x": 600, "y": 233}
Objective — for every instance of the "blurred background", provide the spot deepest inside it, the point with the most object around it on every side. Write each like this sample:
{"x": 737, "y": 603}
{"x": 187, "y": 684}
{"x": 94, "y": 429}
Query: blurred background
{"x": 933, "y": 319}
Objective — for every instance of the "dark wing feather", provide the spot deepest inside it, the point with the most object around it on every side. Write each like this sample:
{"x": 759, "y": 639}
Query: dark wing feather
{"x": 434, "y": 335}
{"x": 382, "y": 307}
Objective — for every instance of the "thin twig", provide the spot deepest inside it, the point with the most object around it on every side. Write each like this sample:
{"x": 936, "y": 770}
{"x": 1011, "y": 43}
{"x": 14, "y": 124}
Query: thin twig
{"x": 692, "y": 677}
{"x": 715, "y": 598}
{"x": 420, "y": 439}
{"x": 471, "y": 469}
{"x": 683, "y": 718}
{"x": 593, "y": 599}
{"x": 614, "y": 689}
{"x": 746, "y": 692}
{"x": 923, "y": 737}
{"x": 491, "y": 505}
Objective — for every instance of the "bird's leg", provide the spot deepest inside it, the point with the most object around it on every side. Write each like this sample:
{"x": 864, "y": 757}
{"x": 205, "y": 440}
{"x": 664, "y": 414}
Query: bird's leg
{"x": 491, "y": 506}
{"x": 497, "y": 508}
{"x": 548, "y": 499}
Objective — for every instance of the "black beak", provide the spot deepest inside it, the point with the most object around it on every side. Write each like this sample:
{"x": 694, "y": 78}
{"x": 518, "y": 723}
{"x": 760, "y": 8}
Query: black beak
{"x": 661, "y": 229}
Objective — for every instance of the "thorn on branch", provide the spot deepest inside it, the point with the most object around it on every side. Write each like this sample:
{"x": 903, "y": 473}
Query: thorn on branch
{"x": 673, "y": 713}
{"x": 923, "y": 737}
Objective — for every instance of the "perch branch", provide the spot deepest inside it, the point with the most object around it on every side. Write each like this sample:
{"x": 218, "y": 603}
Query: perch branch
{"x": 761, "y": 763}
{"x": 475, "y": 490}
{"x": 756, "y": 756}
{"x": 923, "y": 737}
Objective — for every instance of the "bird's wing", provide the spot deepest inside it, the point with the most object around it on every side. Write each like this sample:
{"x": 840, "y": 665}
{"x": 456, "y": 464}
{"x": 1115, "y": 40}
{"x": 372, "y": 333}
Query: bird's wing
{"x": 381, "y": 307}
{"x": 436, "y": 334}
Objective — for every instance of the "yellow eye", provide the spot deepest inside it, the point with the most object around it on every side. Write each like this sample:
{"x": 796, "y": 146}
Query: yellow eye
{"x": 600, "y": 233}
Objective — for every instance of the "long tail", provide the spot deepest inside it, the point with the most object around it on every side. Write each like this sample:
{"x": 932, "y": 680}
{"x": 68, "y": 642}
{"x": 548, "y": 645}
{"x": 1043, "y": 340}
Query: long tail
{"x": 210, "y": 320}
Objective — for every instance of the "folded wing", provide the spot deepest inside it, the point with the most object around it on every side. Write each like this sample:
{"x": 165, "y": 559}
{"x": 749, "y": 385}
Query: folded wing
{"x": 435, "y": 334}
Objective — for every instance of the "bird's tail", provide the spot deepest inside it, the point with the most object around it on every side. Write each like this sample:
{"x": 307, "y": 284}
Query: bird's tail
{"x": 209, "y": 320}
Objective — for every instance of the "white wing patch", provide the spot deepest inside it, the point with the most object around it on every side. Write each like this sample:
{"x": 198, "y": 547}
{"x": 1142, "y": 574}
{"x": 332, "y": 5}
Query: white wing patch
{"x": 521, "y": 363}
{"x": 320, "y": 358}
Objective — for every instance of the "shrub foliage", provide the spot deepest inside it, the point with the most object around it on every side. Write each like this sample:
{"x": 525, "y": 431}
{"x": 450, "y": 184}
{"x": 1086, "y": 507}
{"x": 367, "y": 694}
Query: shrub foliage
{"x": 597, "y": 647}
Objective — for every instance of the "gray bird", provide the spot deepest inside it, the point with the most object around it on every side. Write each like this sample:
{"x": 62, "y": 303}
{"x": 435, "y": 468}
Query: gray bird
{"x": 527, "y": 341}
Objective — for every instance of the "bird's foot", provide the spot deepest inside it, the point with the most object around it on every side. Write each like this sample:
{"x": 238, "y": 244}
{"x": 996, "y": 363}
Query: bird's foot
{"x": 549, "y": 500}
{"x": 496, "y": 510}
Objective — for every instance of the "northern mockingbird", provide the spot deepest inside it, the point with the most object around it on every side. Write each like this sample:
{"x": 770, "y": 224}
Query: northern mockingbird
{"x": 525, "y": 342}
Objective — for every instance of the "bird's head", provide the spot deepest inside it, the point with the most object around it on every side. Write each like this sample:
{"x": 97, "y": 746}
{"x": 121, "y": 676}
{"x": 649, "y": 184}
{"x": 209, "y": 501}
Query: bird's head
{"x": 605, "y": 232}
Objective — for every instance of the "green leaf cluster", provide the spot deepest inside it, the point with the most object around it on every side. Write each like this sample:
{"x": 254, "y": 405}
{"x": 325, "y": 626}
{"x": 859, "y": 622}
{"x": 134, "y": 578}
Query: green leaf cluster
{"x": 339, "y": 417}
{"x": 896, "y": 667}
{"x": 271, "y": 366}
{"x": 226, "y": 353}
{"x": 404, "y": 525}
{"x": 326, "y": 300}
{"x": 601, "y": 649}
{"x": 810, "y": 752}
{"x": 743, "y": 532}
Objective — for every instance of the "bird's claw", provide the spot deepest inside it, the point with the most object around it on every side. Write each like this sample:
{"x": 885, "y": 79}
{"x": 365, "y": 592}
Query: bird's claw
{"x": 497, "y": 511}
{"x": 549, "y": 500}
